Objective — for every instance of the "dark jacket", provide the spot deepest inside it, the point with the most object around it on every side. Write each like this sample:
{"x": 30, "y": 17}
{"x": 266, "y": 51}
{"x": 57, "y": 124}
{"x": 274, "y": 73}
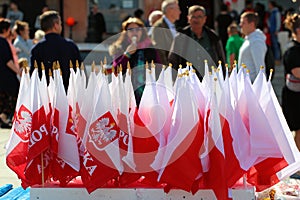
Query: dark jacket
{"x": 163, "y": 39}
{"x": 55, "y": 48}
{"x": 185, "y": 48}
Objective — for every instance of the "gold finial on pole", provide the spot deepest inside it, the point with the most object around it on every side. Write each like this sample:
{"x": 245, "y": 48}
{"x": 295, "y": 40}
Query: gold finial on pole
{"x": 42, "y": 66}
{"x": 147, "y": 65}
{"x": 50, "y": 72}
{"x": 77, "y": 64}
{"x": 93, "y": 66}
{"x": 35, "y": 64}
{"x": 105, "y": 60}
{"x": 128, "y": 65}
{"x": 70, "y": 64}
{"x": 57, "y": 65}
{"x": 82, "y": 66}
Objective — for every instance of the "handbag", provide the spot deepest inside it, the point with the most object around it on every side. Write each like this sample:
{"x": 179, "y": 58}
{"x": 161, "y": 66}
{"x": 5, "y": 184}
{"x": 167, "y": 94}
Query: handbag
{"x": 292, "y": 83}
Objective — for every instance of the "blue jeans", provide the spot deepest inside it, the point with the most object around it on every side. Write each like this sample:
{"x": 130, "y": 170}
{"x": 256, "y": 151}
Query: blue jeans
{"x": 275, "y": 46}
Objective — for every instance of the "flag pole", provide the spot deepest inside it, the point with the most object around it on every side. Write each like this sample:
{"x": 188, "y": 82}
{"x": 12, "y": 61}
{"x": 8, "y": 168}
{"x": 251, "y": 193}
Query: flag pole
{"x": 43, "y": 174}
{"x": 245, "y": 181}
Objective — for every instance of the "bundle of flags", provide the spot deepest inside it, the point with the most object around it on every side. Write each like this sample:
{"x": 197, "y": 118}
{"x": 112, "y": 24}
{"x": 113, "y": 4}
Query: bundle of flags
{"x": 182, "y": 135}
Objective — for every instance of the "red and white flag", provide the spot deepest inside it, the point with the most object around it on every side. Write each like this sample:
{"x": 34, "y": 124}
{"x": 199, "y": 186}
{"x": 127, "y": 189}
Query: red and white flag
{"x": 181, "y": 164}
{"x": 39, "y": 137}
{"x": 17, "y": 146}
{"x": 103, "y": 138}
{"x": 216, "y": 152}
{"x": 65, "y": 164}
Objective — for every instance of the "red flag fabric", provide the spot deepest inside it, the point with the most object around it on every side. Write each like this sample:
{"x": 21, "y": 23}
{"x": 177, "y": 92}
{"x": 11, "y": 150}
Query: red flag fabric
{"x": 39, "y": 138}
{"x": 17, "y": 146}
{"x": 65, "y": 163}
{"x": 102, "y": 141}
{"x": 181, "y": 164}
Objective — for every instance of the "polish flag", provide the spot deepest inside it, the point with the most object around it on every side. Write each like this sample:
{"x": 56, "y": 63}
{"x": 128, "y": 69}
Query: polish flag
{"x": 65, "y": 165}
{"x": 17, "y": 146}
{"x": 181, "y": 165}
{"x": 103, "y": 138}
{"x": 216, "y": 152}
{"x": 39, "y": 138}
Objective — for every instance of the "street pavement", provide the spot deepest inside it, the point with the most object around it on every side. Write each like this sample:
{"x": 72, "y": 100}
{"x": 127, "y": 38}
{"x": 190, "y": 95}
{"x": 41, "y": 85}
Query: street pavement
{"x": 8, "y": 176}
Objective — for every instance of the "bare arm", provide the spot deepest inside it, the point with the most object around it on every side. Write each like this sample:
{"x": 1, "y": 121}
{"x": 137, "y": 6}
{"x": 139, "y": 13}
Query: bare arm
{"x": 296, "y": 72}
{"x": 13, "y": 67}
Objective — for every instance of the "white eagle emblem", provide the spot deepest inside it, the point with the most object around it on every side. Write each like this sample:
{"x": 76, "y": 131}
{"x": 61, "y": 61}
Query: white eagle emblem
{"x": 103, "y": 132}
{"x": 22, "y": 123}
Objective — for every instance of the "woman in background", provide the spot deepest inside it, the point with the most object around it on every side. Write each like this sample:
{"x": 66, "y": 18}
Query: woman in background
{"x": 135, "y": 46}
{"x": 23, "y": 43}
{"x": 9, "y": 83}
{"x": 291, "y": 90}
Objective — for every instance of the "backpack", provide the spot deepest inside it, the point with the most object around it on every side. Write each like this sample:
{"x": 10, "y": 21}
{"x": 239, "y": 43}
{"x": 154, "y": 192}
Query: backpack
{"x": 269, "y": 62}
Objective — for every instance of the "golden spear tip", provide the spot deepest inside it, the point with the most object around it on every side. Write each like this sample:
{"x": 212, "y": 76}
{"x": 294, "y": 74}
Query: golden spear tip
{"x": 120, "y": 68}
{"x": 205, "y": 61}
{"x": 226, "y": 65}
{"x": 128, "y": 65}
{"x": 215, "y": 79}
{"x": 50, "y": 72}
{"x": 271, "y": 70}
{"x": 220, "y": 62}
{"x": 77, "y": 64}
{"x": 70, "y": 64}
{"x": 164, "y": 66}
{"x": 262, "y": 67}
{"x": 235, "y": 62}
{"x": 152, "y": 64}
{"x": 248, "y": 71}
{"x": 93, "y": 66}
{"x": 57, "y": 65}
{"x": 170, "y": 65}
{"x": 180, "y": 66}
{"x": 42, "y": 66}
{"x": 146, "y": 65}
{"x": 82, "y": 66}
{"x": 35, "y": 64}
{"x": 105, "y": 60}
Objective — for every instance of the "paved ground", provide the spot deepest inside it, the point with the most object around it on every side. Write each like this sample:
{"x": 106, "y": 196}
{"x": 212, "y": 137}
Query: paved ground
{"x": 7, "y": 176}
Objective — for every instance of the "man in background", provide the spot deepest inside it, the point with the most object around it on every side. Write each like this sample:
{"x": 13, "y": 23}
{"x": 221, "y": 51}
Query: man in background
{"x": 252, "y": 52}
{"x": 53, "y": 48}
{"x": 197, "y": 43}
{"x": 96, "y": 26}
{"x": 164, "y": 30}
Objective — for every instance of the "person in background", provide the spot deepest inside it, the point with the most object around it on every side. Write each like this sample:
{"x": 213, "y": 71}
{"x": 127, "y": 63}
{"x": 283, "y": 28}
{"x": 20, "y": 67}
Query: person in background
{"x": 37, "y": 23}
{"x": 197, "y": 43}
{"x": 12, "y": 36}
{"x": 291, "y": 90}
{"x": 134, "y": 46}
{"x": 38, "y": 36}
{"x": 23, "y": 43}
{"x": 14, "y": 13}
{"x": 164, "y": 30}
{"x": 153, "y": 17}
{"x": 9, "y": 83}
{"x": 274, "y": 24}
{"x": 53, "y": 47}
{"x": 252, "y": 52}
{"x": 233, "y": 44}
{"x": 223, "y": 20}
{"x": 96, "y": 25}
